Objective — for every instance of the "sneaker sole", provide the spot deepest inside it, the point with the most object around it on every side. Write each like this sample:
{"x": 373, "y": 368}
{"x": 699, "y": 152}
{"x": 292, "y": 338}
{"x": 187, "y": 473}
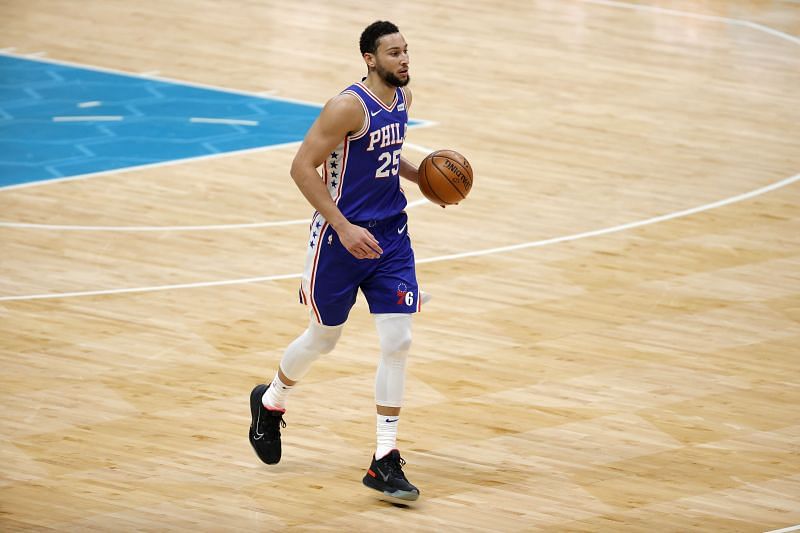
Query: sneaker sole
{"x": 406, "y": 496}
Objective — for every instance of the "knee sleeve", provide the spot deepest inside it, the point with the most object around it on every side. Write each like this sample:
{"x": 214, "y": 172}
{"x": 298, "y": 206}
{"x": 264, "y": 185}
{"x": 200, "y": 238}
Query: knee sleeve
{"x": 394, "y": 332}
{"x": 305, "y": 349}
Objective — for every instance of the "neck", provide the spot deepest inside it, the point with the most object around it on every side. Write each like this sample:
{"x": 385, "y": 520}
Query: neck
{"x": 380, "y": 88}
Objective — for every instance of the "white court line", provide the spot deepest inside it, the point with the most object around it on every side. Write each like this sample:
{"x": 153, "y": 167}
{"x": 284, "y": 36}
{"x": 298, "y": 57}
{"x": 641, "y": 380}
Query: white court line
{"x": 210, "y": 227}
{"x": 487, "y": 251}
{"x": 230, "y": 121}
{"x": 771, "y": 31}
{"x": 89, "y": 118}
{"x": 665, "y": 11}
{"x": 699, "y": 16}
{"x": 93, "y": 103}
{"x": 149, "y": 166}
{"x": 786, "y": 529}
{"x": 150, "y": 289}
{"x": 207, "y": 227}
{"x": 621, "y": 227}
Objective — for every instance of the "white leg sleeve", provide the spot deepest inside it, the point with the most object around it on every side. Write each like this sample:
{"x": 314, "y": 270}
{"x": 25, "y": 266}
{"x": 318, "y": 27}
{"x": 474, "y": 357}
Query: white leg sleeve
{"x": 305, "y": 349}
{"x": 394, "y": 331}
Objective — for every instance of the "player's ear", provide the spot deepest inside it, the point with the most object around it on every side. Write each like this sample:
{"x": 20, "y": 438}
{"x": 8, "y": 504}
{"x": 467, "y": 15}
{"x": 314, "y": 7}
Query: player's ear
{"x": 369, "y": 59}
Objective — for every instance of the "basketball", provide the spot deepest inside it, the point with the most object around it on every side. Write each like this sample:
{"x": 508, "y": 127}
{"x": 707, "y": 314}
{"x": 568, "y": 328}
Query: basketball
{"x": 445, "y": 177}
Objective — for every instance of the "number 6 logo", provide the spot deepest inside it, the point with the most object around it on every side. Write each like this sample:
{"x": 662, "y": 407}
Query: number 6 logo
{"x": 409, "y": 298}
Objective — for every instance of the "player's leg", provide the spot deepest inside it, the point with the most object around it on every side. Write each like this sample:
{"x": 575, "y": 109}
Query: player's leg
{"x": 315, "y": 341}
{"x": 329, "y": 287}
{"x": 385, "y": 473}
{"x": 268, "y": 402}
{"x": 392, "y": 294}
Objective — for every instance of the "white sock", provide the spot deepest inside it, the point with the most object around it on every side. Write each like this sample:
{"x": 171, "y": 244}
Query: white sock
{"x": 387, "y": 434}
{"x": 275, "y": 397}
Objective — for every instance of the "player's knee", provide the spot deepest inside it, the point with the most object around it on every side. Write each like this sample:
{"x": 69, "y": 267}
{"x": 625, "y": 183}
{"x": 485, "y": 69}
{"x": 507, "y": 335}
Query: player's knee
{"x": 397, "y": 345}
{"x": 395, "y": 335}
{"x": 324, "y": 338}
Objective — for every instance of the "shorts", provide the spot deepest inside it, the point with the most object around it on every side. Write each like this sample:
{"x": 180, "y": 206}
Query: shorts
{"x": 332, "y": 276}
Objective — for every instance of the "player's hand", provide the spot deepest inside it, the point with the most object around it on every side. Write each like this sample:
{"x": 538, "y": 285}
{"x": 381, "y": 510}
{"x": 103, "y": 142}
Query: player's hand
{"x": 360, "y": 242}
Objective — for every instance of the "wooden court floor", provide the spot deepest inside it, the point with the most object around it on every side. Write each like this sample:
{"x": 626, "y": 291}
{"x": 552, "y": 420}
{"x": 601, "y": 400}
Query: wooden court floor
{"x": 614, "y": 338}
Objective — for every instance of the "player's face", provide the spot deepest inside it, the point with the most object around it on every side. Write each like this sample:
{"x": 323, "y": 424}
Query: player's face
{"x": 391, "y": 60}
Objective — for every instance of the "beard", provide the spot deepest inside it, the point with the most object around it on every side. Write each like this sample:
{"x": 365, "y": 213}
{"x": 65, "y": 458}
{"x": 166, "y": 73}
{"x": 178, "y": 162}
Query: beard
{"x": 390, "y": 78}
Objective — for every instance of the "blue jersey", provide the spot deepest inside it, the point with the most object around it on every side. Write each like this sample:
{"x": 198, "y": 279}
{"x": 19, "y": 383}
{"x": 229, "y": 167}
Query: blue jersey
{"x": 363, "y": 172}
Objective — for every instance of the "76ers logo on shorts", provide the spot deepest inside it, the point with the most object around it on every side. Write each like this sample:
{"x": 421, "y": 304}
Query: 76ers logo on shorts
{"x": 404, "y": 296}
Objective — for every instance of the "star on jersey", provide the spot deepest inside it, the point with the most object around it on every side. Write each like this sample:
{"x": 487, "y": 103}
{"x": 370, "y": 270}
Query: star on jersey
{"x": 334, "y": 171}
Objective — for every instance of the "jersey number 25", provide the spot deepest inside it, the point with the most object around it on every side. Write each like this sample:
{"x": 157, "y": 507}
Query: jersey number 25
{"x": 388, "y": 159}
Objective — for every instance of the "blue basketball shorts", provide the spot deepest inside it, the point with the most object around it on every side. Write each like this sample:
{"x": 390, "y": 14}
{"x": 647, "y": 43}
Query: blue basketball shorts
{"x": 332, "y": 276}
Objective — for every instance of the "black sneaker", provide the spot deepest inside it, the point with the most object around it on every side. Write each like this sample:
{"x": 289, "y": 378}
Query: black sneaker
{"x": 386, "y": 475}
{"x": 265, "y": 427}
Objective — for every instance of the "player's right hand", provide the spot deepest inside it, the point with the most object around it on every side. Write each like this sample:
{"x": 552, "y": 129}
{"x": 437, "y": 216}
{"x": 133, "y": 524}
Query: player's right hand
{"x": 360, "y": 242}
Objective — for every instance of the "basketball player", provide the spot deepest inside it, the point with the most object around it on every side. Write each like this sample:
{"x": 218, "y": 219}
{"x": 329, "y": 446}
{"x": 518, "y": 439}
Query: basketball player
{"x": 358, "y": 239}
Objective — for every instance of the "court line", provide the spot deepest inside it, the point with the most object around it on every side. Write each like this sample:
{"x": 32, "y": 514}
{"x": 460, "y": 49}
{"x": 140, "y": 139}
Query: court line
{"x": 207, "y": 227}
{"x": 148, "y": 166}
{"x": 230, "y": 121}
{"x": 621, "y": 227}
{"x": 210, "y": 227}
{"x": 700, "y": 16}
{"x": 665, "y": 11}
{"x": 786, "y": 529}
{"x": 487, "y": 251}
{"x": 89, "y": 118}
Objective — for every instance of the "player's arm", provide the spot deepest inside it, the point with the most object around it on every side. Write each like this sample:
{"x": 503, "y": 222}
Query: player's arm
{"x": 407, "y": 169}
{"x": 340, "y": 116}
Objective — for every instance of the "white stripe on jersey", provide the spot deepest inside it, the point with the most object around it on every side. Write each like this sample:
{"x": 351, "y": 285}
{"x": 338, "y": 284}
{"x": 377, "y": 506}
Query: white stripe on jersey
{"x": 318, "y": 227}
{"x": 365, "y": 128}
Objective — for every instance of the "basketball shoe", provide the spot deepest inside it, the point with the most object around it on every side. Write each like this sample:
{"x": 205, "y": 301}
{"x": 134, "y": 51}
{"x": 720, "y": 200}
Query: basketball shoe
{"x": 386, "y": 475}
{"x": 265, "y": 427}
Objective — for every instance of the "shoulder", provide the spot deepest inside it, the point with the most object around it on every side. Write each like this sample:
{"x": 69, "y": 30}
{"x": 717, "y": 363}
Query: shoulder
{"x": 344, "y": 103}
{"x": 345, "y": 108}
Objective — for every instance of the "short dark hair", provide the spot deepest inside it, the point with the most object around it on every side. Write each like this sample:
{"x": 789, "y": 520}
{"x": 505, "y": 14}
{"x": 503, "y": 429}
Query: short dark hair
{"x": 373, "y": 32}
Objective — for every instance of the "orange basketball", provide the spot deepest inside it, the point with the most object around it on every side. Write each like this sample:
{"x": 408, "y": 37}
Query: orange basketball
{"x": 445, "y": 177}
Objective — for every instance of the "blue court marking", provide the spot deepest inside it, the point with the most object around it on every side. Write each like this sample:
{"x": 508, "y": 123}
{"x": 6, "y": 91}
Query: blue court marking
{"x": 150, "y": 121}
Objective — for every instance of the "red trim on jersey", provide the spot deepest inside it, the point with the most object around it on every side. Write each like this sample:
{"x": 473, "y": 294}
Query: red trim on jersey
{"x": 378, "y": 100}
